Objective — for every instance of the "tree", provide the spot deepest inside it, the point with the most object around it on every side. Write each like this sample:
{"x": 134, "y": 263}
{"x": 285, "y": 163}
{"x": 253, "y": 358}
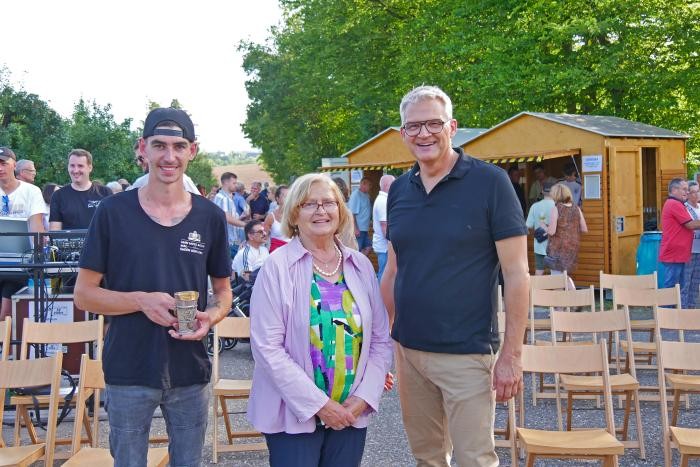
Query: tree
{"x": 200, "y": 169}
{"x": 333, "y": 74}
{"x": 93, "y": 128}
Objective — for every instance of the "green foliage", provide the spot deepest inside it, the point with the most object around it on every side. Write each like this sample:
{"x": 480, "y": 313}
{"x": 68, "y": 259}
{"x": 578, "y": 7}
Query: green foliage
{"x": 333, "y": 74}
{"x": 200, "y": 170}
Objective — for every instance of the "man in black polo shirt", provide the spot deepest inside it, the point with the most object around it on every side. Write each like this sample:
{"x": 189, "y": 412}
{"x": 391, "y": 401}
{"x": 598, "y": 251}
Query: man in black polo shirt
{"x": 451, "y": 220}
{"x": 73, "y": 206}
{"x": 177, "y": 240}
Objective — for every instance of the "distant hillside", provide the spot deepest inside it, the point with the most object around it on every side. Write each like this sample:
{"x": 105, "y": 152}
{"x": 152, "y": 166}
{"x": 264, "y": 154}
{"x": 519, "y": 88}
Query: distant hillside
{"x": 247, "y": 173}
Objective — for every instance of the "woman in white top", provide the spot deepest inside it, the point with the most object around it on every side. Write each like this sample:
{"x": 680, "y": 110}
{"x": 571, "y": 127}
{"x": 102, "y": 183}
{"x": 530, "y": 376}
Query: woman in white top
{"x": 273, "y": 222}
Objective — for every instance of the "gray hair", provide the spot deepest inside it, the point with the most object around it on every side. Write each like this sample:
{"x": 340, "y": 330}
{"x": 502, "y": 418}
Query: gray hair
{"x": 115, "y": 187}
{"x": 385, "y": 182}
{"x": 422, "y": 93}
{"x": 21, "y": 165}
{"x": 675, "y": 183}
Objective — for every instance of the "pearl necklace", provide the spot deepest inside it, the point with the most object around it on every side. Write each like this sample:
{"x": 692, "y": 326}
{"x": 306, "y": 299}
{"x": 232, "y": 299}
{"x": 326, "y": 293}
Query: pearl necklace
{"x": 332, "y": 273}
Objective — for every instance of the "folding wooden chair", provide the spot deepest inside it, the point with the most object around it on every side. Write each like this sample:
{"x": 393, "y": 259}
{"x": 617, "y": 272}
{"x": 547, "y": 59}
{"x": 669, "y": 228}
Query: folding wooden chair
{"x": 24, "y": 374}
{"x": 649, "y": 298}
{"x": 5, "y": 337}
{"x": 611, "y": 321}
{"x": 679, "y": 320}
{"x": 595, "y": 443}
{"x": 230, "y": 389}
{"x": 549, "y": 282}
{"x": 551, "y": 299}
{"x": 679, "y": 356}
{"x": 79, "y": 332}
{"x": 610, "y": 281}
{"x": 91, "y": 383}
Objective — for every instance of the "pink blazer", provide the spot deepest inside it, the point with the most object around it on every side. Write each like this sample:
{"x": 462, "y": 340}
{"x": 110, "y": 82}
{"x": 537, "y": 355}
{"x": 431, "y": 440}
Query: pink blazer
{"x": 284, "y": 397}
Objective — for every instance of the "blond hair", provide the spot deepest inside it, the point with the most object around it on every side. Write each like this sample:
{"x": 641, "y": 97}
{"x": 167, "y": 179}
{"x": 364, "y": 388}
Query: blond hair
{"x": 299, "y": 193}
{"x": 561, "y": 193}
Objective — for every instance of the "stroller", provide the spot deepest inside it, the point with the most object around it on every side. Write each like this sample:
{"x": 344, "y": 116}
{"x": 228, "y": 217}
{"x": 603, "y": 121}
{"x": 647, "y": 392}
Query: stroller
{"x": 242, "y": 290}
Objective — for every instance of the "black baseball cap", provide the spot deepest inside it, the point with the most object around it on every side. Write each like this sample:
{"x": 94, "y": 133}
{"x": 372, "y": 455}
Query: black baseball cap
{"x": 167, "y": 114}
{"x": 6, "y": 153}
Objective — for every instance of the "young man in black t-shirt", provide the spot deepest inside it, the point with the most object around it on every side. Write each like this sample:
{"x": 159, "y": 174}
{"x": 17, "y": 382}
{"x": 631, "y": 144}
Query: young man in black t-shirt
{"x": 73, "y": 206}
{"x": 176, "y": 241}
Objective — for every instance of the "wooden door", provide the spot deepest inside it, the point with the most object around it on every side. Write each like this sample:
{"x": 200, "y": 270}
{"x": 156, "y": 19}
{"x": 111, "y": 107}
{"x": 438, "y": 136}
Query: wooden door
{"x": 626, "y": 213}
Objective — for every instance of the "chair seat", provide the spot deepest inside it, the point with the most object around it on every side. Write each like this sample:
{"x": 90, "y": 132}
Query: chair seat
{"x": 16, "y": 454}
{"x": 688, "y": 439}
{"x": 157, "y": 457}
{"x": 684, "y": 382}
{"x": 583, "y": 442}
{"x": 546, "y": 342}
{"x": 232, "y": 387}
{"x": 642, "y": 324}
{"x": 623, "y": 382}
{"x": 641, "y": 347}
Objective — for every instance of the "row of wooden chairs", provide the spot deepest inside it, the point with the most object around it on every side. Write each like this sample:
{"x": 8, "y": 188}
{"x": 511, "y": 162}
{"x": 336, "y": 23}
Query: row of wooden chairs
{"x": 574, "y": 362}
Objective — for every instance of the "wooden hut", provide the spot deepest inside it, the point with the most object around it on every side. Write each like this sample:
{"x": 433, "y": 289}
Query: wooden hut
{"x": 624, "y": 166}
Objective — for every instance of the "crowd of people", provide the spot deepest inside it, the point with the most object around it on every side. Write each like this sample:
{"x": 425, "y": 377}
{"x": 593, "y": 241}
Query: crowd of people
{"x": 322, "y": 319}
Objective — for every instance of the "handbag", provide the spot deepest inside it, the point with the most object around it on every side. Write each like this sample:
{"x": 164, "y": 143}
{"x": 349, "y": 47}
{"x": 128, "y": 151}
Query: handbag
{"x": 541, "y": 235}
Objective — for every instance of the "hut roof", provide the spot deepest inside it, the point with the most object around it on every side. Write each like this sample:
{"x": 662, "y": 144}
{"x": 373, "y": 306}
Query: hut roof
{"x": 600, "y": 124}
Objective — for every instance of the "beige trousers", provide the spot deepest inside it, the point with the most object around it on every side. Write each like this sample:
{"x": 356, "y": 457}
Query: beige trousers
{"x": 447, "y": 406}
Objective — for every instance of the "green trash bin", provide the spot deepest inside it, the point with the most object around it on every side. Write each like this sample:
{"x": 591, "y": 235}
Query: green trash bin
{"x": 648, "y": 256}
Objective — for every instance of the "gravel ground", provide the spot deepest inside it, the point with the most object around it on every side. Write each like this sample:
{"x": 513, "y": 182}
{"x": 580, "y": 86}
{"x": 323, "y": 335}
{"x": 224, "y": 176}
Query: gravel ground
{"x": 386, "y": 440}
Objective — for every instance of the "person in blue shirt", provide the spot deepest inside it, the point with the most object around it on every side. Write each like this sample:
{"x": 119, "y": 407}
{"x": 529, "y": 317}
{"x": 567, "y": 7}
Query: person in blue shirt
{"x": 361, "y": 210}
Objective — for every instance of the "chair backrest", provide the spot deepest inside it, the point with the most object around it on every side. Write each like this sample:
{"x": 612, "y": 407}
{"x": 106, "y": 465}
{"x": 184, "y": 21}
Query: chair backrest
{"x": 550, "y": 282}
{"x": 32, "y": 373}
{"x": 584, "y": 358}
{"x": 670, "y": 297}
{"x": 92, "y": 381}
{"x": 595, "y": 323}
{"x": 678, "y": 320}
{"x": 5, "y": 336}
{"x": 232, "y": 327}
{"x": 610, "y": 281}
{"x": 563, "y": 298}
{"x": 62, "y": 333}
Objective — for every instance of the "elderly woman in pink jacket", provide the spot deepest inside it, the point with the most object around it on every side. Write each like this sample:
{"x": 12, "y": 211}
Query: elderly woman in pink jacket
{"x": 319, "y": 336}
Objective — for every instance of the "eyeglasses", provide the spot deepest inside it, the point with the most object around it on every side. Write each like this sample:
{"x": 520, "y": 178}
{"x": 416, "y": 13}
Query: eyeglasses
{"x": 433, "y": 127}
{"x": 314, "y": 206}
{"x": 5, "y": 206}
{"x": 31, "y": 171}
{"x": 258, "y": 232}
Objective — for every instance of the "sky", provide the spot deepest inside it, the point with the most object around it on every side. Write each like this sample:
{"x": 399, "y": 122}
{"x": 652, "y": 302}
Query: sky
{"x": 130, "y": 52}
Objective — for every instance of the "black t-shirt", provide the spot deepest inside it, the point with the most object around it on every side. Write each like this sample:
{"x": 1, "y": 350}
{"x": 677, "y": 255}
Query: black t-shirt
{"x": 75, "y": 208}
{"x": 446, "y": 255}
{"x": 137, "y": 254}
{"x": 260, "y": 205}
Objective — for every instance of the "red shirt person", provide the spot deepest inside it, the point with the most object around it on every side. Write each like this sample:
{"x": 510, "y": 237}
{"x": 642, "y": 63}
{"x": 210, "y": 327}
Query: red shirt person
{"x": 677, "y": 237}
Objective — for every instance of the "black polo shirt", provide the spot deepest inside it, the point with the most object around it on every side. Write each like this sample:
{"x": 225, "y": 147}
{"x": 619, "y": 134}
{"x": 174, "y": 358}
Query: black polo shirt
{"x": 446, "y": 255}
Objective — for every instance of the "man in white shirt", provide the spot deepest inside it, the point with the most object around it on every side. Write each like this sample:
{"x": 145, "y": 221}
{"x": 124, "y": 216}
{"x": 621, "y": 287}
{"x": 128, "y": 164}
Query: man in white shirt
{"x": 379, "y": 242}
{"x": 253, "y": 253}
{"x": 19, "y": 199}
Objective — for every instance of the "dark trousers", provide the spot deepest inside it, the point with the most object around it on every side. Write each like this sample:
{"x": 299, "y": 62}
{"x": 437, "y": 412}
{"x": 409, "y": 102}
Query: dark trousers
{"x": 322, "y": 448}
